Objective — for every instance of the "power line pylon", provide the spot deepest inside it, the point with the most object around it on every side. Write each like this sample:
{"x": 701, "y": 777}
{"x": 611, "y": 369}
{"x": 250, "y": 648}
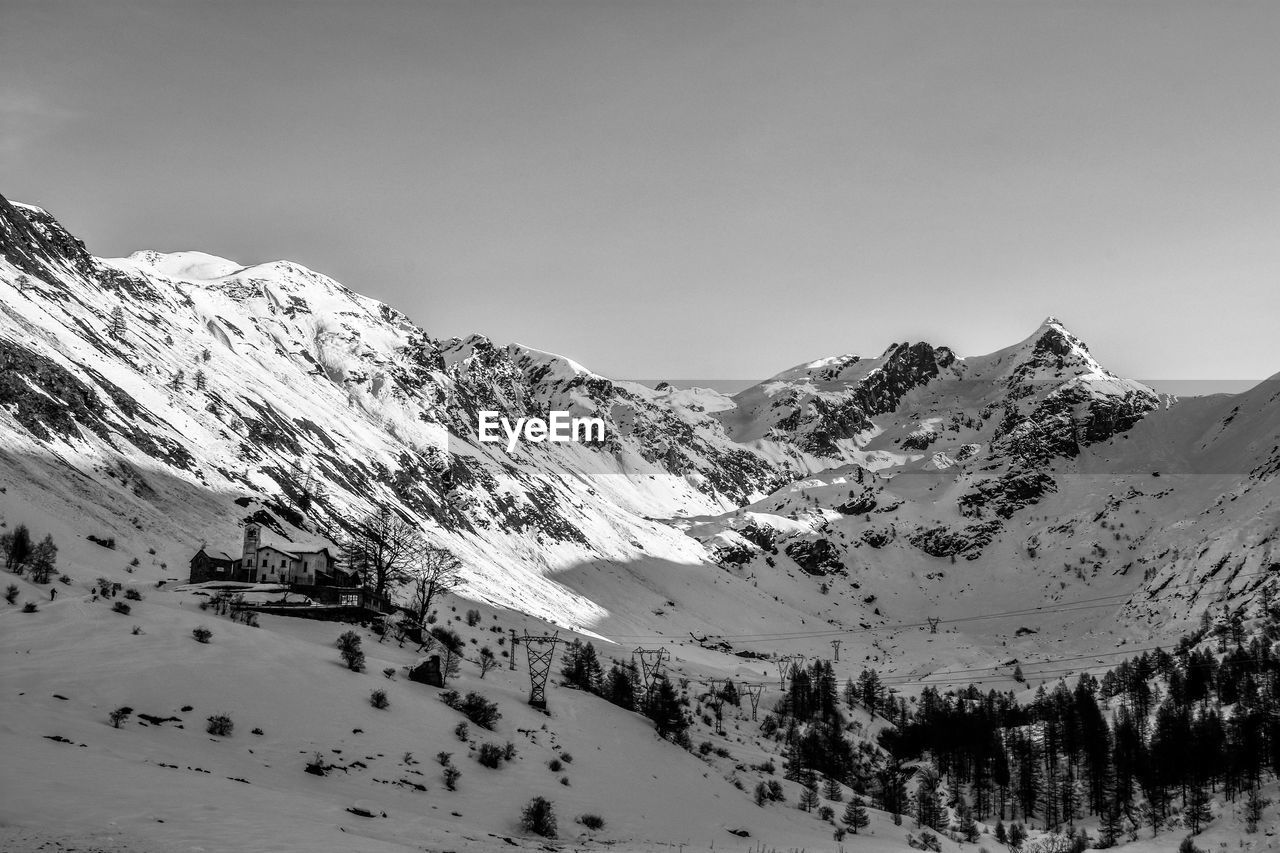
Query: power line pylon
{"x": 651, "y": 661}
{"x": 933, "y": 624}
{"x": 784, "y": 664}
{"x": 835, "y": 647}
{"x": 539, "y": 664}
{"x": 717, "y": 702}
{"x": 514, "y": 642}
{"x": 753, "y": 692}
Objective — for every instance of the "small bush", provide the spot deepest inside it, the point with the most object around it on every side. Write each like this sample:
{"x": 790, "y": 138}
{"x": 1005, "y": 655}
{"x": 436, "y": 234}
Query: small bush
{"x": 119, "y": 715}
{"x": 539, "y": 817}
{"x": 566, "y": 758}
{"x": 201, "y": 633}
{"x": 826, "y": 813}
{"x": 554, "y": 765}
{"x": 137, "y": 629}
{"x": 11, "y": 593}
{"x": 187, "y": 709}
{"x": 564, "y": 780}
{"x": 121, "y": 608}
{"x": 134, "y": 561}
{"x": 390, "y": 672}
{"x": 451, "y": 776}
{"x": 378, "y": 699}
{"x": 349, "y": 648}
{"x": 490, "y": 755}
{"x": 445, "y": 758}
{"x": 29, "y": 607}
{"x": 473, "y": 618}
{"x": 509, "y": 751}
{"x": 474, "y": 707}
{"x": 220, "y": 725}
{"x": 258, "y": 732}
{"x": 462, "y": 731}
{"x": 591, "y": 821}
{"x": 316, "y": 765}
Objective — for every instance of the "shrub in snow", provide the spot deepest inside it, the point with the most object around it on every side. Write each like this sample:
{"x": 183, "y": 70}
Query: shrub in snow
{"x": 119, "y": 715}
{"x": 591, "y": 821}
{"x": 555, "y": 766}
{"x": 121, "y": 608}
{"x": 11, "y": 593}
{"x": 201, "y": 633}
{"x": 349, "y": 648}
{"x": 316, "y": 765}
{"x": 539, "y": 817}
{"x": 490, "y": 755}
{"x": 461, "y": 731}
{"x": 509, "y": 751}
{"x": 133, "y": 595}
{"x": 258, "y": 732}
{"x": 445, "y": 758}
{"x": 220, "y": 725}
{"x": 566, "y": 758}
{"x": 378, "y": 699}
{"x": 451, "y": 776}
{"x": 473, "y": 618}
{"x": 137, "y": 629}
{"x": 29, "y": 607}
{"x": 475, "y": 707}
{"x": 564, "y": 780}
{"x": 826, "y": 813}
{"x": 389, "y": 672}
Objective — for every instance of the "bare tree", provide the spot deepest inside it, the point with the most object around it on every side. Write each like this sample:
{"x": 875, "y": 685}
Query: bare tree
{"x": 382, "y": 549}
{"x": 437, "y": 572}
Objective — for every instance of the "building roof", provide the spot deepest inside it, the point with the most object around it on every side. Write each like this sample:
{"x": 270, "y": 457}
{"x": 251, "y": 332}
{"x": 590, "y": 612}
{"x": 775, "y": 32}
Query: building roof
{"x": 302, "y": 545}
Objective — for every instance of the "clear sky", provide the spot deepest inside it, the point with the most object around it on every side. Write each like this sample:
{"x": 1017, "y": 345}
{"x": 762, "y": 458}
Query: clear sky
{"x": 689, "y": 189}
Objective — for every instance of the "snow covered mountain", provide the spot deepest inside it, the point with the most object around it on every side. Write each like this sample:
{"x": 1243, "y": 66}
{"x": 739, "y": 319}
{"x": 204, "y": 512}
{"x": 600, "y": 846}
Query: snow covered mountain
{"x": 949, "y": 520}
{"x": 162, "y": 399}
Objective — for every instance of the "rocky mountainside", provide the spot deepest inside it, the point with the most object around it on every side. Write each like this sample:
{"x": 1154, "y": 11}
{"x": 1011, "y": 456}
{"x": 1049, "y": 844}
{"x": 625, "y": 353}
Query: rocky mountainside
{"x": 162, "y": 399}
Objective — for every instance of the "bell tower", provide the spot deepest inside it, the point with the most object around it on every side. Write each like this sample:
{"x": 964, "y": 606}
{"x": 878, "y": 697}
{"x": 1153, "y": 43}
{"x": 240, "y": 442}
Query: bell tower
{"x": 252, "y": 539}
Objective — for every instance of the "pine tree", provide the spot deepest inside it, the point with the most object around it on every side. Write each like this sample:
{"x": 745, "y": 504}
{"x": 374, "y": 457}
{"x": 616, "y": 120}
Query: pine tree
{"x": 855, "y": 815}
{"x": 665, "y": 711}
{"x": 1254, "y": 805}
{"x": 809, "y": 799}
{"x": 179, "y": 381}
{"x": 1196, "y": 809}
{"x": 832, "y": 791}
{"x": 618, "y": 689}
{"x": 202, "y": 381}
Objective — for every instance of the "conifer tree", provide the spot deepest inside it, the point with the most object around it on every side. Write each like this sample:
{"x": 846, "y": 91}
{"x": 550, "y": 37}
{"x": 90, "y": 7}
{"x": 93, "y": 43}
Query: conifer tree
{"x": 809, "y": 799}
{"x": 855, "y": 815}
{"x": 831, "y": 789}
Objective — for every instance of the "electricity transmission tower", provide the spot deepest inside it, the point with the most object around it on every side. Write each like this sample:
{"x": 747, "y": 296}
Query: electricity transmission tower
{"x": 514, "y": 642}
{"x": 753, "y": 692}
{"x": 539, "y": 664}
{"x": 933, "y": 624}
{"x": 717, "y": 701}
{"x": 788, "y": 664}
{"x": 835, "y": 647}
{"x": 651, "y": 661}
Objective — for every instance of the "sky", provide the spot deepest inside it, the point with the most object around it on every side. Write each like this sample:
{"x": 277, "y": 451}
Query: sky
{"x": 689, "y": 189}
